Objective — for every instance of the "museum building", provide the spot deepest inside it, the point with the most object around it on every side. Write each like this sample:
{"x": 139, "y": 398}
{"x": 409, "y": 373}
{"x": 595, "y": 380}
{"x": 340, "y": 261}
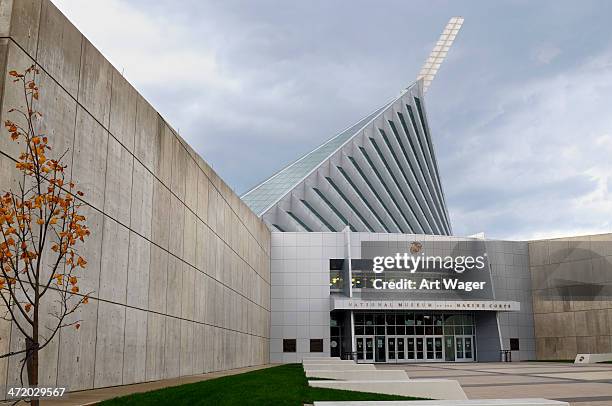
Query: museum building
{"x": 375, "y": 189}
{"x": 210, "y": 281}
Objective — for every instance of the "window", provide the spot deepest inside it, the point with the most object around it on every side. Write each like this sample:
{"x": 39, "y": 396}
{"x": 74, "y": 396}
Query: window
{"x": 335, "y": 281}
{"x": 418, "y": 323}
{"x": 336, "y": 264}
{"x": 514, "y": 344}
{"x": 289, "y": 345}
{"x": 357, "y": 281}
{"x": 316, "y": 345}
{"x": 362, "y": 264}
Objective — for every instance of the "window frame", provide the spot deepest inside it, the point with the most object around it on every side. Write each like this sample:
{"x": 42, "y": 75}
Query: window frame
{"x": 288, "y": 344}
{"x": 317, "y": 341}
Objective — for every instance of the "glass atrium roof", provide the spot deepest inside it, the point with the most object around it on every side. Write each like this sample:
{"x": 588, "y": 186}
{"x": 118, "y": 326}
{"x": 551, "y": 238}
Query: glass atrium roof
{"x": 261, "y": 197}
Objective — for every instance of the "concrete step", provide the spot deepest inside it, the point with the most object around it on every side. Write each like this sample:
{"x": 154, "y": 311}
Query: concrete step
{"x": 419, "y": 388}
{"x": 351, "y": 375}
{"x": 339, "y": 367}
{"x": 470, "y": 402}
{"x": 323, "y": 359}
{"x": 327, "y": 361}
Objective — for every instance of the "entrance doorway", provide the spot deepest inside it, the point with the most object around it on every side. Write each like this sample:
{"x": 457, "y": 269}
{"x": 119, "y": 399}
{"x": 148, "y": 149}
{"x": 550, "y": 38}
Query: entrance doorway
{"x": 464, "y": 350}
{"x": 414, "y": 348}
{"x": 365, "y": 349}
{"x": 400, "y": 337}
{"x": 433, "y": 349}
{"x": 380, "y": 354}
{"x": 396, "y": 349}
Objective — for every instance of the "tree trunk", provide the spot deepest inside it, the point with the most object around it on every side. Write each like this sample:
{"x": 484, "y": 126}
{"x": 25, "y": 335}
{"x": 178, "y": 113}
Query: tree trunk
{"x": 32, "y": 366}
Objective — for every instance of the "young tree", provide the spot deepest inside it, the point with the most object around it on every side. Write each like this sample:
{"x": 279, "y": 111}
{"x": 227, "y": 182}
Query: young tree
{"x": 40, "y": 228}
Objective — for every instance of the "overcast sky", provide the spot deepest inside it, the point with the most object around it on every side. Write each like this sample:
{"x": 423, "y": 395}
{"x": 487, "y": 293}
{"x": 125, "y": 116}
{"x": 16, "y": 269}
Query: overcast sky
{"x": 520, "y": 112}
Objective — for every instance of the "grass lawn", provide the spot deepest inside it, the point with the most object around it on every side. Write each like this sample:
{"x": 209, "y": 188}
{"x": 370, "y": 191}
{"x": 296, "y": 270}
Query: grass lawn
{"x": 280, "y": 385}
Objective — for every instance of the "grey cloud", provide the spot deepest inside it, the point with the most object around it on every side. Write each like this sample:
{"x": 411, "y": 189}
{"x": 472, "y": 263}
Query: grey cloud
{"x": 515, "y": 137}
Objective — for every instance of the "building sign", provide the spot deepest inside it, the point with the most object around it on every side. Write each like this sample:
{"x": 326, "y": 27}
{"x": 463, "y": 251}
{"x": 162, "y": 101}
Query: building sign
{"x": 487, "y": 305}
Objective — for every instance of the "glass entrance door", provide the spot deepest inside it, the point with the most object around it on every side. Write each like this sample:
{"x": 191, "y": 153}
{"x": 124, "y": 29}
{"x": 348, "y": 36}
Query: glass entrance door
{"x": 420, "y": 348}
{"x": 401, "y": 351}
{"x": 449, "y": 348}
{"x": 380, "y": 355}
{"x": 396, "y": 349}
{"x": 410, "y": 352}
{"x": 464, "y": 349}
{"x": 433, "y": 349}
{"x": 391, "y": 349}
{"x": 365, "y": 349}
{"x": 419, "y": 336}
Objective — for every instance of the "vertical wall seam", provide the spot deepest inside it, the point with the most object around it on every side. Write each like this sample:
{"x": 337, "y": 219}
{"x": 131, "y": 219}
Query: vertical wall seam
{"x": 107, "y": 133}
{"x": 76, "y": 113}
{"x": 127, "y": 271}
{"x": 146, "y": 352}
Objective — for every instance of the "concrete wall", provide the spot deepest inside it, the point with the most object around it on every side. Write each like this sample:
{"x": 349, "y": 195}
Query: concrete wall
{"x": 572, "y": 295}
{"x": 179, "y": 265}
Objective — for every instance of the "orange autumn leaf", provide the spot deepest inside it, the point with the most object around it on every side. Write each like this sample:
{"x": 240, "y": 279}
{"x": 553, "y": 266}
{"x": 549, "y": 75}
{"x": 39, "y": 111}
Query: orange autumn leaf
{"x": 43, "y": 199}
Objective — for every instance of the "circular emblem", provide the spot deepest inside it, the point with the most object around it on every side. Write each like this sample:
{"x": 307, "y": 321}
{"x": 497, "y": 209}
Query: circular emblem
{"x": 415, "y": 247}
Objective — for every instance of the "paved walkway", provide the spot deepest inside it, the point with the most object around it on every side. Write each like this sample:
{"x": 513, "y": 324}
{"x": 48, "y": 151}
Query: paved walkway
{"x": 90, "y": 397}
{"x": 580, "y": 385}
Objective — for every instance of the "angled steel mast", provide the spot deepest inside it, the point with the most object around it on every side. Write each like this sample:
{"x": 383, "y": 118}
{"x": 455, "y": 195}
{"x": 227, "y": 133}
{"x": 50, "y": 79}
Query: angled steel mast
{"x": 432, "y": 64}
